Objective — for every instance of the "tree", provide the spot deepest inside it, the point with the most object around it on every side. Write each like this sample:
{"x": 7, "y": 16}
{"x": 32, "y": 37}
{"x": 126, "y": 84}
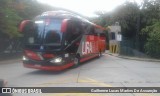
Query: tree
{"x": 11, "y": 13}
{"x": 32, "y": 8}
{"x": 135, "y": 21}
{"x": 150, "y": 10}
{"x": 152, "y": 46}
{"x": 150, "y": 23}
{"x": 8, "y": 19}
{"x": 127, "y": 15}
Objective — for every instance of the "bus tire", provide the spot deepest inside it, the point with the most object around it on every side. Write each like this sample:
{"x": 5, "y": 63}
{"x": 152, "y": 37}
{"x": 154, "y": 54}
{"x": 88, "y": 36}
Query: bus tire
{"x": 76, "y": 61}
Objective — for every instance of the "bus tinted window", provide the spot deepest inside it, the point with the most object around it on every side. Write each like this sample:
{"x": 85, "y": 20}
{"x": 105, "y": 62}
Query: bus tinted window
{"x": 52, "y": 32}
{"x": 88, "y": 29}
{"x": 97, "y": 30}
{"x": 74, "y": 30}
{"x": 73, "y": 36}
{"x": 46, "y": 31}
{"x": 34, "y": 33}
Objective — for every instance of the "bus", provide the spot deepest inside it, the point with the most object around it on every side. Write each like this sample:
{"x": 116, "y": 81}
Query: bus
{"x": 57, "y": 40}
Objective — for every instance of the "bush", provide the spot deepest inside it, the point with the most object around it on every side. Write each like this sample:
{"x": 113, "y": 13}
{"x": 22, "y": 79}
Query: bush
{"x": 152, "y": 46}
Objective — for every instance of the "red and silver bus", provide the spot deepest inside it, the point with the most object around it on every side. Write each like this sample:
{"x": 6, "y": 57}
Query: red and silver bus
{"x": 57, "y": 40}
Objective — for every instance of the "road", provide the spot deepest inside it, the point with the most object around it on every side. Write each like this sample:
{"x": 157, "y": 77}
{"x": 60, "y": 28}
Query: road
{"x": 107, "y": 71}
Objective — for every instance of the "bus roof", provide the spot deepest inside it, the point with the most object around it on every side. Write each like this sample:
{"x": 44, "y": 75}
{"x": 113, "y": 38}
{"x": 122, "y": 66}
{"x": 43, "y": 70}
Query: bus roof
{"x": 68, "y": 15}
{"x": 64, "y": 14}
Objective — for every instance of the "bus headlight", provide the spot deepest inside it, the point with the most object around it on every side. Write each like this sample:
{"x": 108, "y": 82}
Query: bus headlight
{"x": 56, "y": 60}
{"x": 24, "y": 58}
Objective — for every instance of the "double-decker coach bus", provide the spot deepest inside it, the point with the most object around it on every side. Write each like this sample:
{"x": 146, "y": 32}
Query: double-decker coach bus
{"x": 57, "y": 40}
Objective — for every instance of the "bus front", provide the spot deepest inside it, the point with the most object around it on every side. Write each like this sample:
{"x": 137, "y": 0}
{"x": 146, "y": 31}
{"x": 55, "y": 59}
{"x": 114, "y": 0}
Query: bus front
{"x": 44, "y": 44}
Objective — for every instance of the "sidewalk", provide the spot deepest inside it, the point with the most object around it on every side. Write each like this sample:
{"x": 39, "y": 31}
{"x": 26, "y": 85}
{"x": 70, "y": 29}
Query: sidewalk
{"x": 133, "y": 58}
{"x": 10, "y": 58}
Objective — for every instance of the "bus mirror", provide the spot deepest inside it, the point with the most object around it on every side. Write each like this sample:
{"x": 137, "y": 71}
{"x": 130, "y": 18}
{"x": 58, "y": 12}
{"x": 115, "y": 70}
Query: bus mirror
{"x": 64, "y": 25}
{"x": 23, "y": 25}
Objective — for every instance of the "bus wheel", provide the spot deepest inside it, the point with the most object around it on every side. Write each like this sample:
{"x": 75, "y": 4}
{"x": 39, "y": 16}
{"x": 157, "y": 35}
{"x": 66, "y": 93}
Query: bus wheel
{"x": 76, "y": 61}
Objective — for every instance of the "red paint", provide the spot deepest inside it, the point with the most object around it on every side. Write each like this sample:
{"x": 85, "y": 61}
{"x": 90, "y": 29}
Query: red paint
{"x": 23, "y": 24}
{"x": 64, "y": 25}
{"x": 90, "y": 45}
{"x": 49, "y": 68}
{"x": 32, "y": 55}
{"x": 97, "y": 43}
{"x": 102, "y": 44}
{"x": 48, "y": 56}
{"x": 87, "y": 58}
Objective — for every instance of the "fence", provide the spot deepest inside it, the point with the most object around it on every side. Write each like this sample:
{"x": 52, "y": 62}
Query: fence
{"x": 127, "y": 51}
{"x": 10, "y": 48}
{"x": 129, "y": 47}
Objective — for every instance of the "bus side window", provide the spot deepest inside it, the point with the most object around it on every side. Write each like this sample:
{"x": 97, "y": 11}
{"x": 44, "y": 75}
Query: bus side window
{"x": 97, "y": 30}
{"x": 89, "y": 29}
{"x": 74, "y": 31}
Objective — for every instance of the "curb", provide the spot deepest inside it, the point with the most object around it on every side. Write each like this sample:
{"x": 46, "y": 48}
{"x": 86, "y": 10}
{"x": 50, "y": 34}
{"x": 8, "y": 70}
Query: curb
{"x": 10, "y": 58}
{"x": 10, "y": 61}
{"x": 139, "y": 59}
{"x": 134, "y": 58}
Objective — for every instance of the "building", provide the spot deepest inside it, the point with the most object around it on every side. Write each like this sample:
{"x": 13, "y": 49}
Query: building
{"x": 114, "y": 38}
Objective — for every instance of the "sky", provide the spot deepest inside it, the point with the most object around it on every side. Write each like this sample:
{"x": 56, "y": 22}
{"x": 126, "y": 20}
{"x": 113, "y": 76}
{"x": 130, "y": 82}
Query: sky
{"x": 86, "y": 7}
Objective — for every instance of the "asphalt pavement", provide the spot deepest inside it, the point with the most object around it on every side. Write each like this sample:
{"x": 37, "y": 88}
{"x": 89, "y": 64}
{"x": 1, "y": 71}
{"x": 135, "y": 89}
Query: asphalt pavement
{"x": 107, "y": 71}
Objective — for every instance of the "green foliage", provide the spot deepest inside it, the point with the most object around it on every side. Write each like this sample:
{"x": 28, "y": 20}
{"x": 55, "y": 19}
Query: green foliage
{"x": 126, "y": 14}
{"x": 150, "y": 12}
{"x": 8, "y": 19}
{"x": 139, "y": 23}
{"x": 32, "y": 8}
{"x": 152, "y": 46}
{"x": 13, "y": 11}
{"x": 150, "y": 26}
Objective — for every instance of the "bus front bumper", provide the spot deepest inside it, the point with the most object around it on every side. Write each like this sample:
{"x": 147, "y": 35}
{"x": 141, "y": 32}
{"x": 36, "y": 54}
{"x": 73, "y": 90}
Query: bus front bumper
{"x": 49, "y": 68}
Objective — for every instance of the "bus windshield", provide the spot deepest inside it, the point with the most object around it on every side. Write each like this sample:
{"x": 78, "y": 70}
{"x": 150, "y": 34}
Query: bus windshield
{"x": 45, "y": 31}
